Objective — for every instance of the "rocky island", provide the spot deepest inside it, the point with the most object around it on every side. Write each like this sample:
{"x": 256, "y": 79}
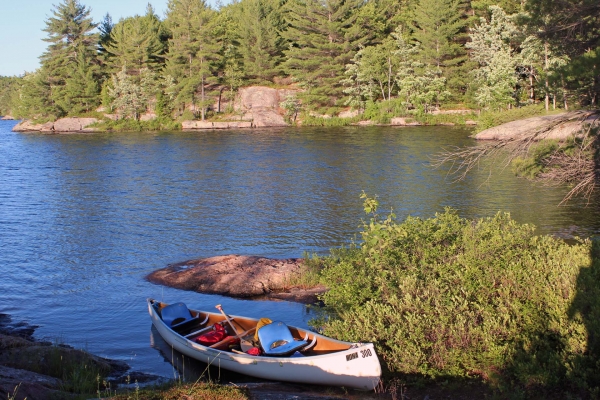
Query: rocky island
{"x": 239, "y": 276}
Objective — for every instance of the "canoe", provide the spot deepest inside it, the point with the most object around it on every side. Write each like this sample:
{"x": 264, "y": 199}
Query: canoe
{"x": 319, "y": 360}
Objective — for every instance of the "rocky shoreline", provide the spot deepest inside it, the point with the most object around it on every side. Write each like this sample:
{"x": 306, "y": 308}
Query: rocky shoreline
{"x": 26, "y": 364}
{"x": 239, "y": 276}
{"x": 555, "y": 127}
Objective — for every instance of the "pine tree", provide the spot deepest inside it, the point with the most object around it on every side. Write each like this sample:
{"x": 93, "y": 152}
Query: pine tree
{"x": 438, "y": 26}
{"x": 324, "y": 39}
{"x": 81, "y": 89}
{"x": 34, "y": 100}
{"x": 259, "y": 27}
{"x": 69, "y": 34}
{"x": 192, "y": 51}
{"x": 137, "y": 42}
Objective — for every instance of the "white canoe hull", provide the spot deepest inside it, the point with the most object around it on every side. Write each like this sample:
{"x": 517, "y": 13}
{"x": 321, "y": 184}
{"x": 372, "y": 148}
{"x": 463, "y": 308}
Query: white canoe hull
{"x": 357, "y": 367}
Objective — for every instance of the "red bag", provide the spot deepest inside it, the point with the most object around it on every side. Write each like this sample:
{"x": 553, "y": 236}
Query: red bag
{"x": 216, "y": 335}
{"x": 254, "y": 351}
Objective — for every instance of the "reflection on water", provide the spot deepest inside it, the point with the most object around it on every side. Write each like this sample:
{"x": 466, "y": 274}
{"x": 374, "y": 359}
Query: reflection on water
{"x": 84, "y": 218}
{"x": 190, "y": 370}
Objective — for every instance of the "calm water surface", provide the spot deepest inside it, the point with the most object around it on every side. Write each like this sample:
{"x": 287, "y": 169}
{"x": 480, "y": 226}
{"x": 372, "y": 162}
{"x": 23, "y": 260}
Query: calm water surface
{"x": 84, "y": 218}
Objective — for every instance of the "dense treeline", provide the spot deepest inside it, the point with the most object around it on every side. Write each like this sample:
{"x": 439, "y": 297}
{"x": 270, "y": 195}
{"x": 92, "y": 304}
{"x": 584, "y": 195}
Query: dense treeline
{"x": 415, "y": 54}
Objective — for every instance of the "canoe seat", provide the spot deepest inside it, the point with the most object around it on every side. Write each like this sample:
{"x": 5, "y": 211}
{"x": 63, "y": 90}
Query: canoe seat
{"x": 177, "y": 316}
{"x": 277, "y": 340}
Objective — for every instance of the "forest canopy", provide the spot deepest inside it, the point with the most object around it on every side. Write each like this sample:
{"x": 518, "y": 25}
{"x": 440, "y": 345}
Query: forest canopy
{"x": 418, "y": 55}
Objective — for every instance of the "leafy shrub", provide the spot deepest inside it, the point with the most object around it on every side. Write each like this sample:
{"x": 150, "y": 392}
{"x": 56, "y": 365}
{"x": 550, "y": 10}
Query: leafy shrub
{"x": 309, "y": 120}
{"x": 451, "y": 297}
{"x": 531, "y": 166}
{"x": 132, "y": 125}
{"x": 383, "y": 111}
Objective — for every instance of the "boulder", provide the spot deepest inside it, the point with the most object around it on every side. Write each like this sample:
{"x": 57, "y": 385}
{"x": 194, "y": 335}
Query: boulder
{"x": 196, "y": 125}
{"x": 399, "y": 121}
{"x": 265, "y": 117}
{"x": 73, "y": 124}
{"x": 261, "y": 105}
{"x": 233, "y": 275}
{"x": 348, "y": 114}
{"x": 7, "y": 118}
{"x": 556, "y": 126}
{"x": 148, "y": 117}
{"x": 63, "y": 125}
{"x": 28, "y": 126}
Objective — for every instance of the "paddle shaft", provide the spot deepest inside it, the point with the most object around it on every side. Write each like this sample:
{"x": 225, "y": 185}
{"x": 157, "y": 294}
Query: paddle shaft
{"x": 218, "y": 307}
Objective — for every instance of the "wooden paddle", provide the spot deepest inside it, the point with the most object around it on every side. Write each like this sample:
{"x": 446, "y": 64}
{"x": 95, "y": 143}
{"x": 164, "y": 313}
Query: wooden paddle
{"x": 244, "y": 344}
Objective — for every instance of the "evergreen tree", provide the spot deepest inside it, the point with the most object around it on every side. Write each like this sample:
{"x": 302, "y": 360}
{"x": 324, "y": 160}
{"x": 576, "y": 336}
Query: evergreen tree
{"x": 81, "y": 89}
{"x": 9, "y": 89}
{"x": 137, "y": 42}
{"x": 70, "y": 41}
{"x": 324, "y": 39}
{"x": 259, "y": 27}
{"x": 105, "y": 27}
{"x": 192, "y": 51}
{"x": 438, "y": 26}
{"x": 131, "y": 96}
{"x": 34, "y": 100}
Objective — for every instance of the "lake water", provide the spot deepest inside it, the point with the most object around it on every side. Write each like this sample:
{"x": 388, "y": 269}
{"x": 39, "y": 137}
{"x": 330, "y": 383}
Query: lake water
{"x": 84, "y": 218}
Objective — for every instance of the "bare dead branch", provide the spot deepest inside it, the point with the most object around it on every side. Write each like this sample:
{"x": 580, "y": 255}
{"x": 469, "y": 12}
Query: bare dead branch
{"x": 579, "y": 168}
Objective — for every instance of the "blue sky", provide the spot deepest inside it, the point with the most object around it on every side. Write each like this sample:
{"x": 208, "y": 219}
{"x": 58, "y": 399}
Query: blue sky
{"x": 22, "y": 21}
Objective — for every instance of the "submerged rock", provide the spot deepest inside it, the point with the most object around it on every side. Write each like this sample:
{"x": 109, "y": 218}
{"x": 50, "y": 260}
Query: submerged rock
{"x": 238, "y": 276}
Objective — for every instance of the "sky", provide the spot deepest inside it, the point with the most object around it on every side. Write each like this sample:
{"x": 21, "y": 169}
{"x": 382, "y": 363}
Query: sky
{"x": 22, "y": 21}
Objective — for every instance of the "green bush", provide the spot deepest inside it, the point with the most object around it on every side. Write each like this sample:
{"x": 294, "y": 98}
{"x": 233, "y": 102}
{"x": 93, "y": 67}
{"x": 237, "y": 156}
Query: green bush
{"x": 532, "y": 165}
{"x": 451, "y": 297}
{"x": 132, "y": 125}
{"x": 308, "y": 120}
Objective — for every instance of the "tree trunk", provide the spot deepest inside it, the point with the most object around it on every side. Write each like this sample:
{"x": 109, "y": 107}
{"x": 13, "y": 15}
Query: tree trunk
{"x": 220, "y": 94}
{"x": 531, "y": 86}
{"x": 547, "y": 98}
{"x": 202, "y": 98}
{"x": 564, "y": 94}
{"x": 389, "y": 78}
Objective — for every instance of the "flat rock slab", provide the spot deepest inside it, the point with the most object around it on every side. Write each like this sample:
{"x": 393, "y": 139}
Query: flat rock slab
{"x": 237, "y": 276}
{"x": 63, "y": 125}
{"x": 555, "y": 126}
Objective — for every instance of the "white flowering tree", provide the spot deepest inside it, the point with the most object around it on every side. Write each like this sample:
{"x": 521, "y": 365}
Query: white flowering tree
{"x": 491, "y": 47}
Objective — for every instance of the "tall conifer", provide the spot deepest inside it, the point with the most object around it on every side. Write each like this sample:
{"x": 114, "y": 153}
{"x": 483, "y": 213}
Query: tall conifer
{"x": 70, "y": 40}
{"x": 438, "y": 26}
{"x": 324, "y": 39}
{"x": 192, "y": 50}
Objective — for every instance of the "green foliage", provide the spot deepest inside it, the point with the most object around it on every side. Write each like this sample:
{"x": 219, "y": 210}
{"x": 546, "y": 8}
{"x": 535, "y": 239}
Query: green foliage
{"x": 69, "y": 64}
{"x": 382, "y": 112}
{"x": 260, "y": 24}
{"x": 324, "y": 36}
{"x": 132, "y": 125}
{"x": 531, "y": 166}
{"x": 9, "y": 90}
{"x": 450, "y": 297}
{"x": 137, "y": 42}
{"x": 309, "y": 120}
{"x": 192, "y": 391}
{"x": 192, "y": 51}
